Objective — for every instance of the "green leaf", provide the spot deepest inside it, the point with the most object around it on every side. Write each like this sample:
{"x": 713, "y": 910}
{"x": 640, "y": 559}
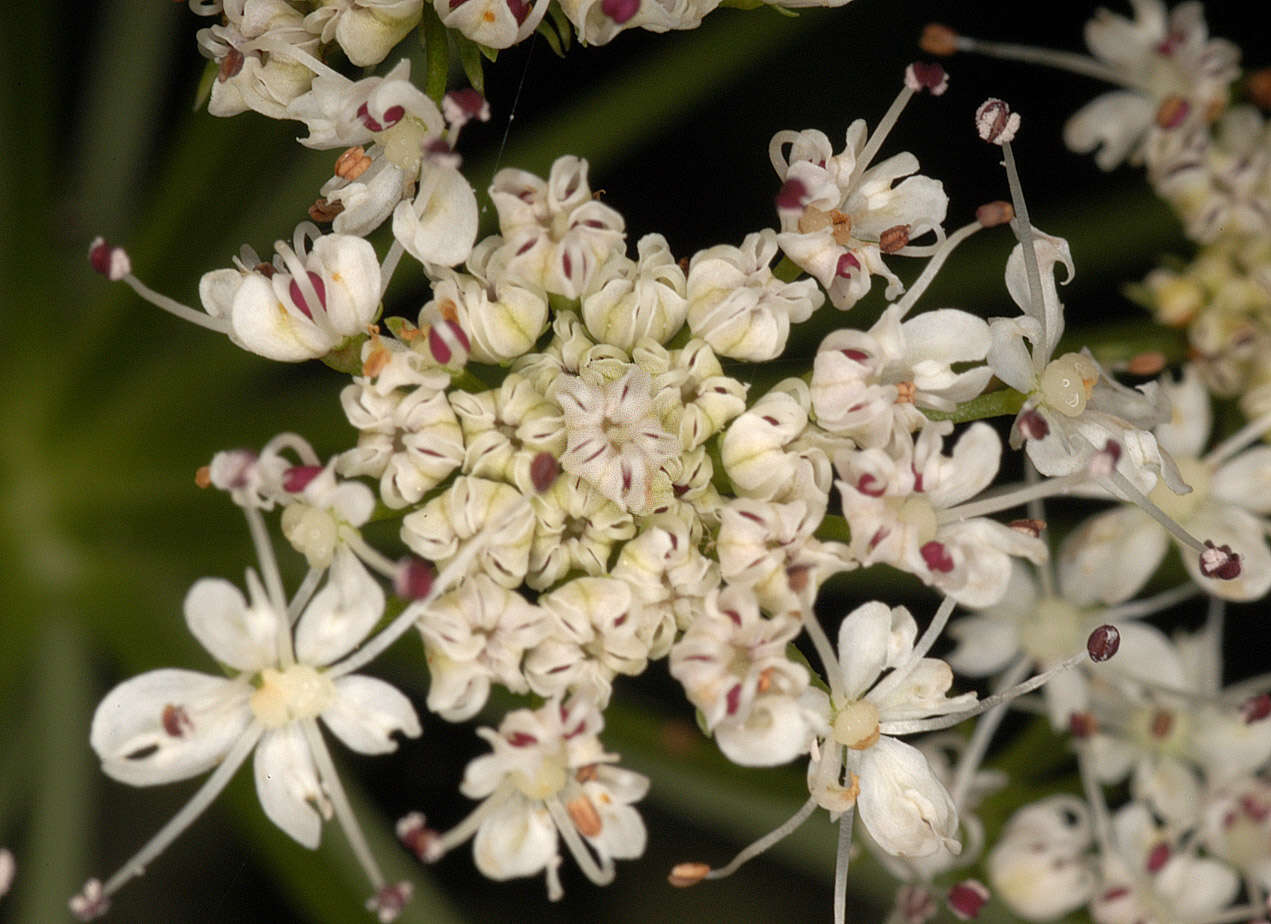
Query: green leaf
{"x": 470, "y": 58}
{"x": 435, "y": 39}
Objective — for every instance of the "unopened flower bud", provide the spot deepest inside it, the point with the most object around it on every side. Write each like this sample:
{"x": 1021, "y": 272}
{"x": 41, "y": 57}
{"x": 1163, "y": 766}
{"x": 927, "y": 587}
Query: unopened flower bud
{"x": 967, "y": 898}
{"x": 684, "y": 875}
{"x": 938, "y": 39}
{"x": 926, "y": 75}
{"x": 414, "y": 578}
{"x": 1218, "y": 561}
{"x": 992, "y": 214}
{"x": 995, "y": 122}
{"x": 112, "y": 262}
{"x": 1103, "y": 643}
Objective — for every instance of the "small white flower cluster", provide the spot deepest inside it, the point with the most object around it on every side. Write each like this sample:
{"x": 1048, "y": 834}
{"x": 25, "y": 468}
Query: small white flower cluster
{"x": 568, "y": 438}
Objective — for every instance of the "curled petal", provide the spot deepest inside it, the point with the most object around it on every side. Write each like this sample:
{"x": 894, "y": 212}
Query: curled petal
{"x": 288, "y": 786}
{"x": 366, "y": 712}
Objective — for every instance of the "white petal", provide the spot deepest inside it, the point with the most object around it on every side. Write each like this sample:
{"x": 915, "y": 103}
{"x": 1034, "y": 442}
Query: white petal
{"x": 1114, "y": 123}
{"x": 774, "y": 733}
{"x": 1246, "y": 480}
{"x": 440, "y": 226}
{"x": 245, "y": 638}
{"x": 129, "y": 734}
{"x": 341, "y": 614}
{"x": 287, "y": 784}
{"x": 366, "y": 712}
{"x": 518, "y": 839}
{"x": 947, "y": 336}
{"x": 985, "y": 645}
{"x": 862, "y": 646}
{"x": 905, "y": 808}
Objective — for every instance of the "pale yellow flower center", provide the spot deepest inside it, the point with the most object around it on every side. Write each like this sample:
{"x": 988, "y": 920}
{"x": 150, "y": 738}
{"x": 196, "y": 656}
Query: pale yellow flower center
{"x": 856, "y": 725}
{"x": 1053, "y": 631}
{"x": 1182, "y": 507}
{"x": 296, "y": 692}
{"x": 1067, "y": 382}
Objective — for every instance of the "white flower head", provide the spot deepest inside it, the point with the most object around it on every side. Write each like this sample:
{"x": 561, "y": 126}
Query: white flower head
{"x": 304, "y": 305}
{"x": 1040, "y": 866}
{"x": 556, "y": 235}
{"x": 738, "y": 306}
{"x": 549, "y": 779}
{"x": 630, "y": 300}
{"x": 615, "y": 439}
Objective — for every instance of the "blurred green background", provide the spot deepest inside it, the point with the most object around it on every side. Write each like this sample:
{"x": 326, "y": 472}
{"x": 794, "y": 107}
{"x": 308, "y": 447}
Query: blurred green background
{"x": 107, "y": 407}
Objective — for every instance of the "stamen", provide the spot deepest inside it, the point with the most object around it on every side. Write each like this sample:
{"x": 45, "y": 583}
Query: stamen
{"x": 442, "y": 844}
{"x": 982, "y": 736}
{"x": 902, "y": 671}
{"x": 1011, "y": 497}
{"x": 339, "y": 801}
{"x": 825, "y": 651}
{"x": 206, "y": 794}
{"x": 966, "y": 899}
{"x": 929, "y": 271}
{"x": 842, "y": 859}
{"x": 1171, "y": 526}
{"x": 389, "y": 901}
{"x": 273, "y": 581}
{"x": 601, "y": 874}
{"x": 1243, "y": 437}
{"x": 303, "y": 594}
{"x": 683, "y": 875}
{"x": 113, "y": 263}
{"x": 775, "y": 836}
{"x": 879, "y": 135}
{"x": 1063, "y": 60}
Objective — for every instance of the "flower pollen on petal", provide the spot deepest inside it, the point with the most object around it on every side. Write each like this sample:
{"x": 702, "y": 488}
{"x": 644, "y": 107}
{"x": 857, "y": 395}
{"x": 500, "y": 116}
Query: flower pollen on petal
{"x": 297, "y": 296}
{"x": 297, "y": 478}
{"x": 176, "y": 721}
{"x": 620, "y": 10}
{"x": 995, "y": 122}
{"x": 1103, "y": 643}
{"x": 1157, "y": 857}
{"x": 1218, "y": 561}
{"x": 937, "y": 557}
{"x": 1256, "y": 708}
{"x": 790, "y": 196}
{"x": 966, "y": 898}
{"x": 938, "y": 39}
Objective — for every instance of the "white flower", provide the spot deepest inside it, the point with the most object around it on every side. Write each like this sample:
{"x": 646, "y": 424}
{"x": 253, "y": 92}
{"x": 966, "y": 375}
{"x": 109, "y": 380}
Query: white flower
{"x": 670, "y": 576}
{"x": 635, "y": 300}
{"x": 468, "y": 507}
{"x": 1178, "y": 885}
{"x": 1039, "y": 865}
{"x": 411, "y": 441}
{"x": 576, "y": 528}
{"x": 548, "y": 778}
{"x": 305, "y": 305}
{"x": 1157, "y": 60}
{"x": 868, "y": 385}
{"x": 365, "y": 29}
{"x": 733, "y": 665}
{"x": 840, "y": 214}
{"x": 861, "y": 763}
{"x": 250, "y": 49}
{"x": 324, "y": 515}
{"x": 170, "y": 724}
{"x": 693, "y": 395}
{"x": 1110, "y": 556}
{"x": 473, "y": 635}
{"x": 1236, "y": 826}
{"x": 492, "y": 23}
{"x": 762, "y": 451}
{"x": 505, "y": 429}
{"x": 440, "y": 225}
{"x": 769, "y": 548}
{"x": 556, "y": 236}
{"x": 903, "y": 511}
{"x": 615, "y": 439}
{"x": 738, "y": 306}
{"x": 598, "y": 630}
{"x": 502, "y": 316}
{"x": 1073, "y": 410}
